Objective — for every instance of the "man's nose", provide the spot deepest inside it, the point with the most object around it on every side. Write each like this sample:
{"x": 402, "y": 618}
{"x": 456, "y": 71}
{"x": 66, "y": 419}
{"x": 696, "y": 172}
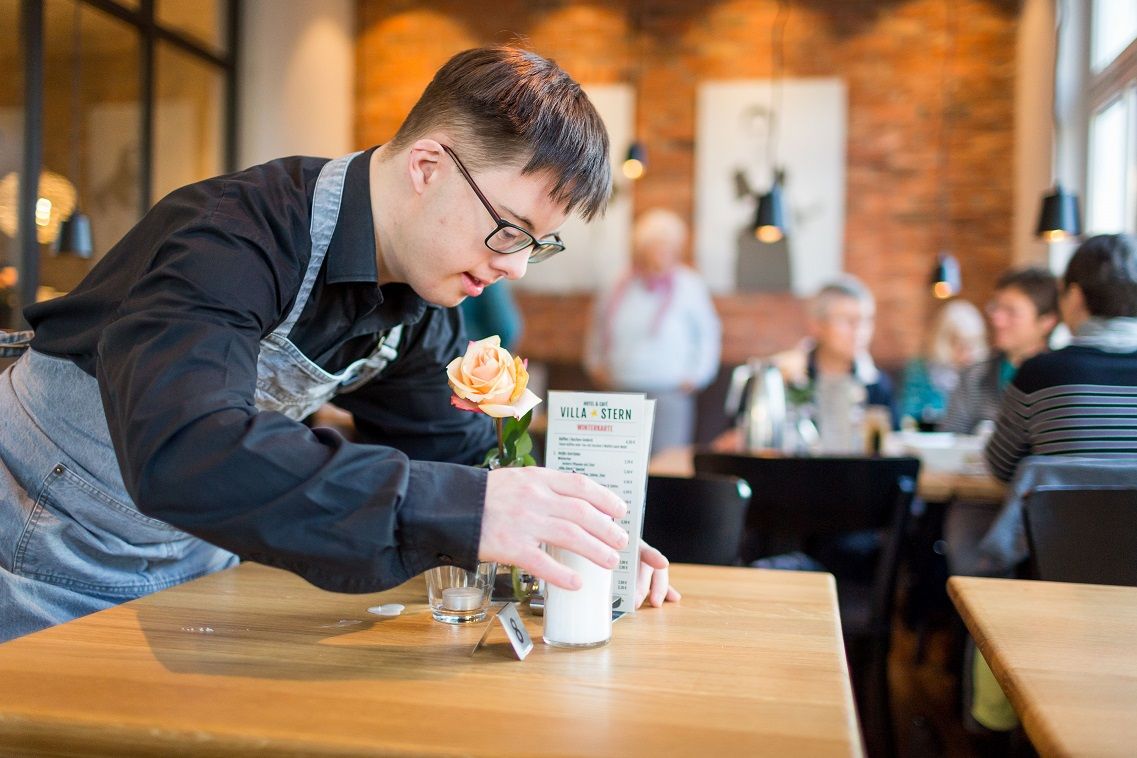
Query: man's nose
{"x": 512, "y": 265}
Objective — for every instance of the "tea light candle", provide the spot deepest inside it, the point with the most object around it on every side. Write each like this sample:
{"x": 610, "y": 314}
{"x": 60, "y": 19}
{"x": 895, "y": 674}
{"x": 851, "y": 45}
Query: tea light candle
{"x": 462, "y": 598}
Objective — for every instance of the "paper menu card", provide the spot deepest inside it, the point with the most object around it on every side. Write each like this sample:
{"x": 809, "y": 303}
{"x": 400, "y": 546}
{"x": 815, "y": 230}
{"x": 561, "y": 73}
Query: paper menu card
{"x": 607, "y": 437}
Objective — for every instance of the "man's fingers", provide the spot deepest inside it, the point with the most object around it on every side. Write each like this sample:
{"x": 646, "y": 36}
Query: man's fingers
{"x": 544, "y": 567}
{"x": 653, "y": 557}
{"x": 583, "y": 488}
{"x": 580, "y": 512}
{"x": 572, "y": 537}
{"x": 643, "y": 583}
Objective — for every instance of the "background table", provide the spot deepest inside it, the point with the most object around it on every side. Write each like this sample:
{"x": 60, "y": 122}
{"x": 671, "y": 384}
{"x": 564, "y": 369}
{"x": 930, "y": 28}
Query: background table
{"x": 1065, "y": 654}
{"x": 933, "y": 486}
{"x": 254, "y": 659}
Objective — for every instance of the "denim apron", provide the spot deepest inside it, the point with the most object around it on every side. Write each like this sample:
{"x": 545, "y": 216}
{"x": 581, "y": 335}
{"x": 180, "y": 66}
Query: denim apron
{"x": 71, "y": 539}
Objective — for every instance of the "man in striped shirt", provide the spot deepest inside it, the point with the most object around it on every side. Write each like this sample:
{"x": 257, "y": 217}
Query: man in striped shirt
{"x": 1081, "y": 400}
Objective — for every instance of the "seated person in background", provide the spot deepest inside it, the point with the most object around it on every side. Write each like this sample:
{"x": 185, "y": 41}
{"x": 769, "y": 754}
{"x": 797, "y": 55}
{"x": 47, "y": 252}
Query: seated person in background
{"x": 841, "y": 320}
{"x": 1080, "y": 400}
{"x": 656, "y": 330}
{"x": 958, "y": 338}
{"x": 1023, "y": 312}
{"x": 493, "y": 312}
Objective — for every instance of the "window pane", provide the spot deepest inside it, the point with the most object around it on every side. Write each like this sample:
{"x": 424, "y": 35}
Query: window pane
{"x": 92, "y": 114}
{"x": 1109, "y": 132}
{"x": 1115, "y": 26}
{"x": 188, "y": 120}
{"x": 206, "y": 21}
{"x": 11, "y": 159}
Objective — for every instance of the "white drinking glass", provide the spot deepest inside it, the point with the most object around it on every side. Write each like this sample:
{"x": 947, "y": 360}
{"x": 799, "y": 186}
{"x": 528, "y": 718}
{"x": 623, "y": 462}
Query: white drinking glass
{"x": 579, "y": 618}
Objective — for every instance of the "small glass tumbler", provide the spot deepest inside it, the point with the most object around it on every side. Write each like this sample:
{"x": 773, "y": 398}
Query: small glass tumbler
{"x": 579, "y": 618}
{"x": 458, "y": 596}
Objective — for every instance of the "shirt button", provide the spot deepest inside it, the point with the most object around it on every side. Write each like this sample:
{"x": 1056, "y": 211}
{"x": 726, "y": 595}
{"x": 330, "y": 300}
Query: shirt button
{"x": 444, "y": 559}
{"x": 58, "y": 470}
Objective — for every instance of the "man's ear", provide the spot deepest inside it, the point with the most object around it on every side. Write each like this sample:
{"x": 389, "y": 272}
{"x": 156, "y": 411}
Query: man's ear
{"x": 423, "y": 161}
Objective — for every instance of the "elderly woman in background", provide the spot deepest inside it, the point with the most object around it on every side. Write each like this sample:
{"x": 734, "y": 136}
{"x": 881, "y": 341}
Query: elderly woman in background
{"x": 957, "y": 339}
{"x": 656, "y": 330}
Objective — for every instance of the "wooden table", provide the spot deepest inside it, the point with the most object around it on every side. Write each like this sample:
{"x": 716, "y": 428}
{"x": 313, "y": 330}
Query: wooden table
{"x": 1065, "y": 654}
{"x": 933, "y": 486}
{"x": 255, "y": 660}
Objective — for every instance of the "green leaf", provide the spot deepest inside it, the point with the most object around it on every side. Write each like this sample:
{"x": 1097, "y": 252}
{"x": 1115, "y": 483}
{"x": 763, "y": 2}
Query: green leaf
{"x": 524, "y": 444}
{"x": 528, "y": 460}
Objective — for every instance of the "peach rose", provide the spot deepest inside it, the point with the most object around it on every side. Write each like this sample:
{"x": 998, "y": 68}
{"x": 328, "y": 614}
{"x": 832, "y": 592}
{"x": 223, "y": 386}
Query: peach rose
{"x": 489, "y": 380}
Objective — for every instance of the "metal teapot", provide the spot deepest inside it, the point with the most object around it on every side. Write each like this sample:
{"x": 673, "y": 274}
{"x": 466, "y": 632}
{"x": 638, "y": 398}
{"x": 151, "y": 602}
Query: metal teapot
{"x": 757, "y": 399}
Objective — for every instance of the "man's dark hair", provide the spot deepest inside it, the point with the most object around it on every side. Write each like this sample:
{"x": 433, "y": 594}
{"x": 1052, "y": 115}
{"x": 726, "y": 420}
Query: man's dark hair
{"x": 1105, "y": 269}
{"x": 1038, "y": 284}
{"x": 511, "y": 107}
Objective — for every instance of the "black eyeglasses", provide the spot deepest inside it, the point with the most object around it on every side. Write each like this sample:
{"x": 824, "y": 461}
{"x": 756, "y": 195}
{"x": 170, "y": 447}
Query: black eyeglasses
{"x": 509, "y": 238}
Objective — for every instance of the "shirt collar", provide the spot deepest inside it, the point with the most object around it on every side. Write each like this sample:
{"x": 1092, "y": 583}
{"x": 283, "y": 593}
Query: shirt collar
{"x": 351, "y": 252}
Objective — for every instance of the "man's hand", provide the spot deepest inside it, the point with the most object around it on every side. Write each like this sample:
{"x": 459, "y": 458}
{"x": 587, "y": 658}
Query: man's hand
{"x": 653, "y": 580}
{"x": 529, "y": 506}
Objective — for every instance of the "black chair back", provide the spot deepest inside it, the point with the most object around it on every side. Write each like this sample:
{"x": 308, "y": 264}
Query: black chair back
{"x": 697, "y": 519}
{"x": 1083, "y": 535}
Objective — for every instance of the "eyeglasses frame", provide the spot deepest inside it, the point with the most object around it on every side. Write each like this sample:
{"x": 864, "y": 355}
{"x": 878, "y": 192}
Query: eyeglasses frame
{"x": 542, "y": 249}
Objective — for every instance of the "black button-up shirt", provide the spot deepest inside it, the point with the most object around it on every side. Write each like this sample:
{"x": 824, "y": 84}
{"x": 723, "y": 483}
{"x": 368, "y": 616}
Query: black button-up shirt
{"x": 169, "y": 322}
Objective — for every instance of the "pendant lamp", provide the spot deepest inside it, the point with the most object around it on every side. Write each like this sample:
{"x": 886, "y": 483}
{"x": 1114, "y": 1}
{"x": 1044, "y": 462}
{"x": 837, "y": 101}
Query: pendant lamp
{"x": 1059, "y": 217}
{"x": 770, "y": 220}
{"x": 75, "y": 233}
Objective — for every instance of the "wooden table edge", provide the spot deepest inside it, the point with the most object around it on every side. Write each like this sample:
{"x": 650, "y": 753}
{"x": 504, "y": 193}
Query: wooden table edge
{"x": 1044, "y": 739}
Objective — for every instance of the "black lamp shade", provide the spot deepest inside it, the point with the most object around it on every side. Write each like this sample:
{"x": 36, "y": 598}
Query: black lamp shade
{"x": 946, "y": 279}
{"x": 770, "y": 219}
{"x": 75, "y": 236}
{"x": 1059, "y": 217}
{"x": 636, "y": 161}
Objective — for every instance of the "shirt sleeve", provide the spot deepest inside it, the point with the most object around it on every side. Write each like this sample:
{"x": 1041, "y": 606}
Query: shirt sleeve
{"x": 177, "y": 372}
{"x": 959, "y": 418}
{"x": 1010, "y": 442}
{"x": 706, "y": 332}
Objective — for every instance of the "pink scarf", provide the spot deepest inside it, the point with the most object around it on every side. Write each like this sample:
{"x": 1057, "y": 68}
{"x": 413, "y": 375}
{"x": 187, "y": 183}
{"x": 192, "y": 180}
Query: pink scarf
{"x": 660, "y": 284}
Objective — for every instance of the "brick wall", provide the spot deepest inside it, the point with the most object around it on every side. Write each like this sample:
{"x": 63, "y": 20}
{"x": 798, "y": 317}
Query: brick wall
{"x": 890, "y": 54}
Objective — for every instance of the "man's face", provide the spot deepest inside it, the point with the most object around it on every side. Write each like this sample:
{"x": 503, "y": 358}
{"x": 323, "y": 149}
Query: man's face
{"x": 655, "y": 255}
{"x": 845, "y": 329}
{"x": 1016, "y": 327}
{"x": 443, "y": 255}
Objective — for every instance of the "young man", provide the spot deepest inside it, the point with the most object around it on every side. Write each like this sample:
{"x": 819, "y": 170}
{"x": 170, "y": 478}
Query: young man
{"x": 1023, "y": 312}
{"x": 1080, "y": 400}
{"x": 151, "y": 434}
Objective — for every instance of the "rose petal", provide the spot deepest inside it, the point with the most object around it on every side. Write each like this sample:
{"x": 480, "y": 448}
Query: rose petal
{"x": 463, "y": 404}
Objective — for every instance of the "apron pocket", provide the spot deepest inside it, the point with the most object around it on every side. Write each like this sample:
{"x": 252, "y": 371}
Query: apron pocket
{"x": 82, "y": 538}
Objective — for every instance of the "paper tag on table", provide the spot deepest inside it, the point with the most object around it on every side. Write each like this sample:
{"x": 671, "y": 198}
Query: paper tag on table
{"x": 607, "y": 437}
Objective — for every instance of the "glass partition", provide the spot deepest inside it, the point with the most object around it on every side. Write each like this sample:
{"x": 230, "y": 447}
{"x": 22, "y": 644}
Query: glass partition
{"x": 11, "y": 160}
{"x": 188, "y": 120}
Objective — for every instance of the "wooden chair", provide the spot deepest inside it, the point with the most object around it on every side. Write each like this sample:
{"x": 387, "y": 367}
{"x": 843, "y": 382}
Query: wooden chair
{"x": 698, "y": 519}
{"x": 1086, "y": 535}
{"x": 814, "y": 504}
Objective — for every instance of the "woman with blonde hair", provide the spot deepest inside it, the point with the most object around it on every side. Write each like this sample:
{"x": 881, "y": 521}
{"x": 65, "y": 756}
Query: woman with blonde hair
{"x": 958, "y": 338}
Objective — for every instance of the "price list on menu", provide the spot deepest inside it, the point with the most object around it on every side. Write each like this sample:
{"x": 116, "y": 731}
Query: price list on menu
{"x": 607, "y": 437}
